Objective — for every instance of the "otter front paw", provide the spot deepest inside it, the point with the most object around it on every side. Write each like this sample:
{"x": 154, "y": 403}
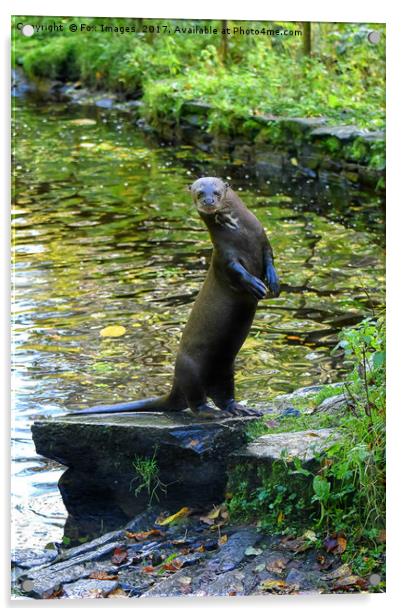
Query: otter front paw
{"x": 273, "y": 280}
{"x": 256, "y": 287}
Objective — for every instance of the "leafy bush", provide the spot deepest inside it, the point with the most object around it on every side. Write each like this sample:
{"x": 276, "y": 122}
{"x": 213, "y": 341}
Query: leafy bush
{"x": 345, "y": 492}
{"x": 344, "y": 80}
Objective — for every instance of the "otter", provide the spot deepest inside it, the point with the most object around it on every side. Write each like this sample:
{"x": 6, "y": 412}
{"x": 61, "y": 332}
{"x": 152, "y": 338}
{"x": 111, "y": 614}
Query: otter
{"x": 223, "y": 311}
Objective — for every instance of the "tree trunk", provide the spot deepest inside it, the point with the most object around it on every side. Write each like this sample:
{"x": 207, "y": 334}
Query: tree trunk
{"x": 307, "y": 38}
{"x": 224, "y": 42}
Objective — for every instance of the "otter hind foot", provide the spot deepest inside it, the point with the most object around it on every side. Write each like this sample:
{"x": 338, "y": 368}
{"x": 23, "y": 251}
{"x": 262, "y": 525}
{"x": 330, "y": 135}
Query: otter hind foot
{"x": 238, "y": 410}
{"x": 205, "y": 411}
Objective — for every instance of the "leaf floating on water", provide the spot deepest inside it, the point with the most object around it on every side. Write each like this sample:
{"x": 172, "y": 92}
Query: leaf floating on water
{"x": 184, "y": 512}
{"x": 112, "y": 331}
{"x": 83, "y": 122}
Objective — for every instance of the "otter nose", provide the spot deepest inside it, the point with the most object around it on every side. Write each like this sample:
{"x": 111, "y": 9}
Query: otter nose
{"x": 208, "y": 201}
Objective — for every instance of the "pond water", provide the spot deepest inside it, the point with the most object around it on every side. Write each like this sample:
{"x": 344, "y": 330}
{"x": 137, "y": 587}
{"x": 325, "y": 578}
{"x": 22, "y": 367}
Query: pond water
{"x": 104, "y": 233}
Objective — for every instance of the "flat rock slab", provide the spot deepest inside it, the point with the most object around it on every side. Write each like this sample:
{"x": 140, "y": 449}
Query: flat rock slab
{"x": 89, "y": 589}
{"x": 104, "y": 453}
{"x": 270, "y": 447}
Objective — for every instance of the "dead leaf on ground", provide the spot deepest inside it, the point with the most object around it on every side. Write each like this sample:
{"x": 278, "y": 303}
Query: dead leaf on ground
{"x": 118, "y": 593}
{"x": 119, "y": 556}
{"x": 336, "y": 544}
{"x": 349, "y": 582}
{"x": 102, "y": 575}
{"x": 144, "y": 534}
{"x": 277, "y": 565}
{"x": 342, "y": 571}
{"x": 184, "y": 512}
{"x": 148, "y": 569}
{"x": 278, "y": 587}
{"x": 217, "y": 515}
{"x": 173, "y": 565}
{"x": 295, "y": 545}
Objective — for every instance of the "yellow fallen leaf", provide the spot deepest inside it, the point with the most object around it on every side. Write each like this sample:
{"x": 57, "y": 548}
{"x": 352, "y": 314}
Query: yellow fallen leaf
{"x": 182, "y": 513}
{"x": 222, "y": 540}
{"x": 113, "y": 331}
{"x": 273, "y": 585}
{"x": 214, "y": 513}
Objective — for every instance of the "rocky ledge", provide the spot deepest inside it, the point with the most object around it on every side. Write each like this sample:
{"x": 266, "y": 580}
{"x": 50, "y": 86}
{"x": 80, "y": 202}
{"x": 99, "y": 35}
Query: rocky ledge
{"x": 117, "y": 464}
{"x": 188, "y": 556}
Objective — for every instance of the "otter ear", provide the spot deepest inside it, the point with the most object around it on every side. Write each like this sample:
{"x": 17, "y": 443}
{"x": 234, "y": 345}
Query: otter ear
{"x": 189, "y": 187}
{"x": 227, "y": 185}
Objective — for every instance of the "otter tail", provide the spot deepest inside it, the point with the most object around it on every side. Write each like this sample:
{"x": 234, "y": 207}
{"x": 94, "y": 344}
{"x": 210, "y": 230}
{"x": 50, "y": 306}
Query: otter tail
{"x": 156, "y": 405}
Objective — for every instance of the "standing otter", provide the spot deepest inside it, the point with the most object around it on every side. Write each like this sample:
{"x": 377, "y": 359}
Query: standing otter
{"x": 223, "y": 310}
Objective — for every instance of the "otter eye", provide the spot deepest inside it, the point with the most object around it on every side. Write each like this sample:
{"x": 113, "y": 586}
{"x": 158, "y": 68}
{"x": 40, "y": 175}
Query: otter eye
{"x": 200, "y": 193}
{"x": 216, "y": 194}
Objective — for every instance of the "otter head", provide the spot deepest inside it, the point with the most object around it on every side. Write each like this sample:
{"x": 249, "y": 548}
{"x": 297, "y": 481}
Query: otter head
{"x": 209, "y": 194}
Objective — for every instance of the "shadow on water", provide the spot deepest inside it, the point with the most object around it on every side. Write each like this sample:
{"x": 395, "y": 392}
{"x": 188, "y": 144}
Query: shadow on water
{"x": 105, "y": 234}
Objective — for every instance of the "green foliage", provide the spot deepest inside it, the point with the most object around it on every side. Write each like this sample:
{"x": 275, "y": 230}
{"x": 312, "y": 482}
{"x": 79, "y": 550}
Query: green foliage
{"x": 355, "y": 466}
{"x": 278, "y": 499}
{"x": 327, "y": 392}
{"x": 344, "y": 79}
{"x": 348, "y": 483}
{"x": 147, "y": 472}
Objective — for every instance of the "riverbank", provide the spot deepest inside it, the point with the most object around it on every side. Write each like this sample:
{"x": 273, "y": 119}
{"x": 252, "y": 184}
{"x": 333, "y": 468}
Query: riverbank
{"x": 186, "y": 554}
{"x": 279, "y": 112}
{"x": 198, "y": 551}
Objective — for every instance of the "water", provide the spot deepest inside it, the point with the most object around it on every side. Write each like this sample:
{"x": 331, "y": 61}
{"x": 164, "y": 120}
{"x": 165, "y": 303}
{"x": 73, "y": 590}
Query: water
{"x": 105, "y": 234}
